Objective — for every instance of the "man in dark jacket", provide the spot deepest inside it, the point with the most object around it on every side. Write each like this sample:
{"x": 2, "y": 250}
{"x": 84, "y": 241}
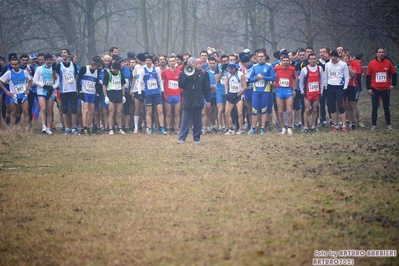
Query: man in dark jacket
{"x": 195, "y": 88}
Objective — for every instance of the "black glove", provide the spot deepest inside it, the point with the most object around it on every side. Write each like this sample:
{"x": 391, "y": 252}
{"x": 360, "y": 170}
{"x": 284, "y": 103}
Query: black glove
{"x": 49, "y": 89}
{"x": 224, "y": 67}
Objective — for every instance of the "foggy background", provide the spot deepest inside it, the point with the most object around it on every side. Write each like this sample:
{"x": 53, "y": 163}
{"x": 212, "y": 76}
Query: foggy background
{"x": 90, "y": 27}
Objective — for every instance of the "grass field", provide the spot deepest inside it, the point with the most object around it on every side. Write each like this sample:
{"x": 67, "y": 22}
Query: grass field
{"x": 234, "y": 200}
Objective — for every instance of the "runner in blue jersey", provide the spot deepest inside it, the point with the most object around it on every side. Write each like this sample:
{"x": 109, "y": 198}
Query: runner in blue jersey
{"x": 153, "y": 85}
{"x": 46, "y": 86}
{"x": 127, "y": 73}
{"x": 261, "y": 76}
{"x": 220, "y": 78}
{"x": 20, "y": 84}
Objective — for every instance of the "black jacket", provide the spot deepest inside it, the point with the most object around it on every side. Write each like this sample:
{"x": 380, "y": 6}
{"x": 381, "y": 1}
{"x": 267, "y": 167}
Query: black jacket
{"x": 195, "y": 88}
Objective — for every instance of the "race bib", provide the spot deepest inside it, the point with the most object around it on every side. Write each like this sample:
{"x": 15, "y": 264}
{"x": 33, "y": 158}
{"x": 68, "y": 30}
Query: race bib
{"x": 234, "y": 88}
{"x": 313, "y": 86}
{"x": 223, "y": 81}
{"x": 173, "y": 84}
{"x": 381, "y": 77}
{"x": 152, "y": 84}
{"x": 260, "y": 83}
{"x": 90, "y": 86}
{"x": 116, "y": 83}
{"x": 284, "y": 82}
{"x": 333, "y": 74}
{"x": 68, "y": 78}
{"x": 20, "y": 88}
{"x": 48, "y": 82}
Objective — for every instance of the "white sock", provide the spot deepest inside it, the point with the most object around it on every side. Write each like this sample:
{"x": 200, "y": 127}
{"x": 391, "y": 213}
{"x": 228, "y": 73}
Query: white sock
{"x": 136, "y": 121}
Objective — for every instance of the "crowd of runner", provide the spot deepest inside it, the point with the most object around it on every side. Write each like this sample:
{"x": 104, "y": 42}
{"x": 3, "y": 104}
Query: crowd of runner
{"x": 141, "y": 93}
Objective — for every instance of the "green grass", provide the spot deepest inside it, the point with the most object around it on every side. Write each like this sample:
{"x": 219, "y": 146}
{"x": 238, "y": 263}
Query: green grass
{"x": 234, "y": 200}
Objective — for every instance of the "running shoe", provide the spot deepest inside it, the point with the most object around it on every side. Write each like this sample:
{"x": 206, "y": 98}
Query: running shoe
{"x": 305, "y": 130}
{"x": 353, "y": 127}
{"x": 163, "y": 131}
{"x": 262, "y": 131}
{"x": 67, "y": 132}
{"x": 180, "y": 141}
{"x": 229, "y": 132}
{"x": 149, "y": 131}
{"x": 361, "y": 124}
{"x": 48, "y": 131}
{"x": 343, "y": 128}
{"x": 252, "y": 131}
{"x": 283, "y": 130}
{"x": 75, "y": 131}
{"x": 335, "y": 129}
{"x": 111, "y": 132}
{"x": 389, "y": 127}
{"x": 239, "y": 132}
{"x": 122, "y": 132}
{"x": 315, "y": 129}
{"x": 197, "y": 142}
{"x": 289, "y": 131}
{"x": 44, "y": 129}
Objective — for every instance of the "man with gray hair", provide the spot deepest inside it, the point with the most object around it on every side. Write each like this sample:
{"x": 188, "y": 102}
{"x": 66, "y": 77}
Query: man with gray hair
{"x": 196, "y": 87}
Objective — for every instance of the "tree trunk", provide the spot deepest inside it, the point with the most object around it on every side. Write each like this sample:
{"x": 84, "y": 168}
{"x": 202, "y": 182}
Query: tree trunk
{"x": 144, "y": 25}
{"x": 184, "y": 20}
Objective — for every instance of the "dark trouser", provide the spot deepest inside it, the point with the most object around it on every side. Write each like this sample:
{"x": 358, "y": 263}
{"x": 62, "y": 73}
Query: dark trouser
{"x": 194, "y": 116}
{"x": 322, "y": 104}
{"x": 385, "y": 95}
{"x": 31, "y": 101}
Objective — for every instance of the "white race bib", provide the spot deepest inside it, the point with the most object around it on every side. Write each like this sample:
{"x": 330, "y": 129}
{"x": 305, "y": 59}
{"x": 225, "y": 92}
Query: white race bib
{"x": 313, "y": 86}
{"x": 173, "y": 84}
{"x": 152, "y": 84}
{"x": 48, "y": 82}
{"x": 333, "y": 74}
{"x": 69, "y": 78}
{"x": 20, "y": 88}
{"x": 381, "y": 77}
{"x": 260, "y": 83}
{"x": 284, "y": 82}
{"x": 234, "y": 88}
{"x": 90, "y": 86}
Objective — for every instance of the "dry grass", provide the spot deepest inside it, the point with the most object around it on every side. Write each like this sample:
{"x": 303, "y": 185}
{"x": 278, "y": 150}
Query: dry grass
{"x": 235, "y": 200}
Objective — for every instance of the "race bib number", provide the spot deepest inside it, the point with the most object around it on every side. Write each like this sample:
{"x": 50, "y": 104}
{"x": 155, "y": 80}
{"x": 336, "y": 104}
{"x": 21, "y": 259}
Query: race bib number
{"x": 152, "y": 84}
{"x": 260, "y": 83}
{"x": 20, "y": 88}
{"x": 116, "y": 84}
{"x": 234, "y": 88}
{"x": 90, "y": 86}
{"x": 333, "y": 74}
{"x": 381, "y": 77}
{"x": 284, "y": 82}
{"x": 223, "y": 81}
{"x": 173, "y": 84}
{"x": 69, "y": 78}
{"x": 313, "y": 86}
{"x": 48, "y": 82}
